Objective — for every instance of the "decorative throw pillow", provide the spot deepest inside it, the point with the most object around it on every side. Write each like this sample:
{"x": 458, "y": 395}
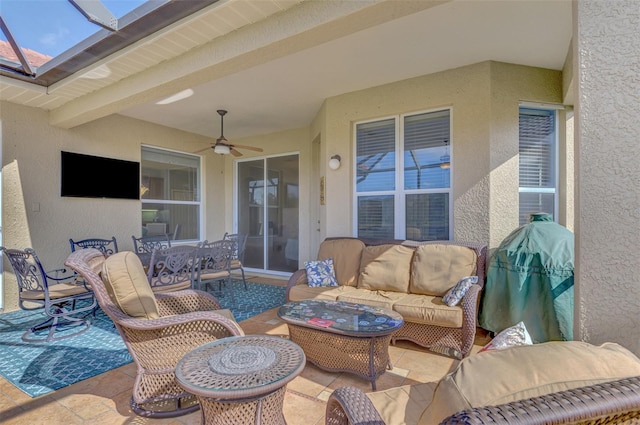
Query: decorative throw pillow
{"x": 455, "y": 294}
{"x": 510, "y": 337}
{"x": 321, "y": 273}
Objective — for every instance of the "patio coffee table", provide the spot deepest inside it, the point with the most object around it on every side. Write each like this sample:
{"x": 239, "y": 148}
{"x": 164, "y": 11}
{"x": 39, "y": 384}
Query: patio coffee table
{"x": 340, "y": 336}
{"x": 241, "y": 379}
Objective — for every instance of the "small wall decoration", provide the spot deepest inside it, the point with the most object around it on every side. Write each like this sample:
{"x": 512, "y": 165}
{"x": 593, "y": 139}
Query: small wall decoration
{"x": 322, "y": 190}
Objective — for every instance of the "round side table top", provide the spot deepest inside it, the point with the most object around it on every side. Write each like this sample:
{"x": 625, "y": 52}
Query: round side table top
{"x": 240, "y": 366}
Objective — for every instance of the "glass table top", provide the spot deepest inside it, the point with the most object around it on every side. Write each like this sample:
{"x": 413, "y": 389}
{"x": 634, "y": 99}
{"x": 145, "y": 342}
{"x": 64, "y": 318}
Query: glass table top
{"x": 341, "y": 317}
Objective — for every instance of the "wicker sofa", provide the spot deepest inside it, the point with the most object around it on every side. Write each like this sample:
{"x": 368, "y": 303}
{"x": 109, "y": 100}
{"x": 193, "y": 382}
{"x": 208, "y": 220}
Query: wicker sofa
{"x": 554, "y": 382}
{"x": 409, "y": 278}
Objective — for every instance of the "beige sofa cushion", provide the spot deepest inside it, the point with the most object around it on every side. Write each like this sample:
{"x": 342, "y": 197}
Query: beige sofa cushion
{"x": 436, "y": 268}
{"x": 385, "y": 268}
{"x": 403, "y": 405}
{"x": 380, "y": 299}
{"x": 502, "y": 376}
{"x": 128, "y": 287}
{"x": 429, "y": 310}
{"x": 329, "y": 293}
{"x": 346, "y": 254}
{"x": 59, "y": 290}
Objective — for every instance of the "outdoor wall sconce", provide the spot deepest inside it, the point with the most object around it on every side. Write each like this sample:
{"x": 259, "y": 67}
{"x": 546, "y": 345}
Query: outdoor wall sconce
{"x": 334, "y": 162}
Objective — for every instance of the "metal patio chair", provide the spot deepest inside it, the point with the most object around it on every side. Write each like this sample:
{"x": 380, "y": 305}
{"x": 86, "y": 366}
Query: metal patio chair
{"x": 57, "y": 292}
{"x": 106, "y": 246}
{"x": 240, "y": 242}
{"x": 145, "y": 245}
{"x": 171, "y": 269}
{"x": 213, "y": 264}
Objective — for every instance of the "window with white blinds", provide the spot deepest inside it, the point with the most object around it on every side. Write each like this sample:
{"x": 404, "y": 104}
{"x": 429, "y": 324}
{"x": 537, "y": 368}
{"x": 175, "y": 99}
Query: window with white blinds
{"x": 403, "y": 177}
{"x": 171, "y": 194}
{"x": 538, "y": 169}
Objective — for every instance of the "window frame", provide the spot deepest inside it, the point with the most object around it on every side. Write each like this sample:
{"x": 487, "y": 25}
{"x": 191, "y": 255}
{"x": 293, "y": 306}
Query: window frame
{"x": 400, "y": 193}
{"x": 556, "y": 160}
{"x": 200, "y": 202}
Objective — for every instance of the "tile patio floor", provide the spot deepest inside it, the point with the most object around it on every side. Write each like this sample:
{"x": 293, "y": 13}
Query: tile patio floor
{"x": 104, "y": 399}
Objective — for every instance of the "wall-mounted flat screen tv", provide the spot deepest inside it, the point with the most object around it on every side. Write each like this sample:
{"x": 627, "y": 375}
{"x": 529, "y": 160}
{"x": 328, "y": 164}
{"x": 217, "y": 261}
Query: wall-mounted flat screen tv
{"x": 88, "y": 176}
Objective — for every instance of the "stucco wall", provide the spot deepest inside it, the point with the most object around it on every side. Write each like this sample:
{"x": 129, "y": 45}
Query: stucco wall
{"x": 607, "y": 156}
{"x": 511, "y": 84}
{"x": 484, "y": 99}
{"x": 34, "y": 213}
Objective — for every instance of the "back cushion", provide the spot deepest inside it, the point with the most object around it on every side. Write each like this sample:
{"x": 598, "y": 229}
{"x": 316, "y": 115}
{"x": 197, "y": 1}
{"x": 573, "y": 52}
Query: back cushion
{"x": 385, "y": 268}
{"x": 436, "y": 268}
{"x": 346, "y": 254}
{"x": 516, "y": 373}
{"x": 128, "y": 287}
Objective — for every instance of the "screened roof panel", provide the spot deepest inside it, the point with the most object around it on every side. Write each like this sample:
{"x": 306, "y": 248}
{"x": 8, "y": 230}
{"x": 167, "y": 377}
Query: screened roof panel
{"x": 60, "y": 37}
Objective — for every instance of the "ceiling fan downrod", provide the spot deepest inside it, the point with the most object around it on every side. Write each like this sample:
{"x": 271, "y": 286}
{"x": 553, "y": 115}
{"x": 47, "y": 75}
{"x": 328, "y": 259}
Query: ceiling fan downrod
{"x": 222, "y": 113}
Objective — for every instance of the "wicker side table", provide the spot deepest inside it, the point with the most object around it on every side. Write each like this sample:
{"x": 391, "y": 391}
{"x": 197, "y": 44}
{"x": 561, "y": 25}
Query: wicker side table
{"x": 241, "y": 380}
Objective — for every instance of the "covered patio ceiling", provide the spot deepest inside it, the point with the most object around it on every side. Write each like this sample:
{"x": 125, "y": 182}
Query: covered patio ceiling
{"x": 271, "y": 63}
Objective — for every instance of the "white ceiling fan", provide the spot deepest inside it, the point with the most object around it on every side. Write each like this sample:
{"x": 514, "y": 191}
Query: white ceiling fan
{"x": 222, "y": 145}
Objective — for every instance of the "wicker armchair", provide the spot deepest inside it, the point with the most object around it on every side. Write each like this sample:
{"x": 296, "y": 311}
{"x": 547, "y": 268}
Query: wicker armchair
{"x": 610, "y": 402}
{"x": 188, "y": 319}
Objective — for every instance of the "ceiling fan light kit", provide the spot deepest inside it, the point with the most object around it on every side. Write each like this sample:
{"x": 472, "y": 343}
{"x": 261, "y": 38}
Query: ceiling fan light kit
{"x": 222, "y": 149}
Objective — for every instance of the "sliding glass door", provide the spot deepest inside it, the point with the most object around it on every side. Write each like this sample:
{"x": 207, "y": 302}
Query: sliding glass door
{"x": 267, "y": 211}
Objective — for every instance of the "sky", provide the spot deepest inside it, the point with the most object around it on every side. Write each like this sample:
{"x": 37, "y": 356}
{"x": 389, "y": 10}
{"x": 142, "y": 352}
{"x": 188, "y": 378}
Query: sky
{"x": 53, "y": 26}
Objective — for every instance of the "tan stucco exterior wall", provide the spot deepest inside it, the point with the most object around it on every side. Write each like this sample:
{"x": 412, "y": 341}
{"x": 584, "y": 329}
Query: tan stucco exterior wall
{"x": 484, "y": 99}
{"x": 35, "y": 215}
{"x": 511, "y": 84}
{"x": 607, "y": 158}
{"x": 484, "y": 102}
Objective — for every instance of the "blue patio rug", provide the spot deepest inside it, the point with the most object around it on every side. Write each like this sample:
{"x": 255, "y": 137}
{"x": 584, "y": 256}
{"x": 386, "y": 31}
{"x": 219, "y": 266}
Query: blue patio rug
{"x": 38, "y": 369}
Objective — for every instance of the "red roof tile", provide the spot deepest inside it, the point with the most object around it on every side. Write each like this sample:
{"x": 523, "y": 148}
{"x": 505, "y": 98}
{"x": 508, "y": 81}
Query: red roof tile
{"x": 34, "y": 58}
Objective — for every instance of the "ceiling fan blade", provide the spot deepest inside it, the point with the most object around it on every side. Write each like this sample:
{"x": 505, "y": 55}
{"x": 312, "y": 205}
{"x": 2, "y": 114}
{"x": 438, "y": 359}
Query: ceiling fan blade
{"x": 235, "y": 152}
{"x": 250, "y": 148}
{"x": 205, "y": 149}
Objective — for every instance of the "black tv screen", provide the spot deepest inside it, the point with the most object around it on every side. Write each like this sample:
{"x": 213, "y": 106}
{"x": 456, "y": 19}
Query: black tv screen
{"x": 90, "y": 176}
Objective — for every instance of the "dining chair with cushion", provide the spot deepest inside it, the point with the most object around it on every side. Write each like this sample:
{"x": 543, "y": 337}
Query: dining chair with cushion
{"x": 213, "y": 265}
{"x": 66, "y": 301}
{"x": 157, "y": 328}
{"x": 171, "y": 269}
{"x": 145, "y": 245}
{"x": 107, "y": 246}
{"x": 237, "y": 259}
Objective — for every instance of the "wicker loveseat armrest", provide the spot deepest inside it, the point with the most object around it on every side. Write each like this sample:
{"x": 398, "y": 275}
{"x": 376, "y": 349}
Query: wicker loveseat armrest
{"x": 469, "y": 304}
{"x": 299, "y": 277}
{"x": 350, "y": 406}
{"x": 185, "y": 301}
{"x": 609, "y": 402}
